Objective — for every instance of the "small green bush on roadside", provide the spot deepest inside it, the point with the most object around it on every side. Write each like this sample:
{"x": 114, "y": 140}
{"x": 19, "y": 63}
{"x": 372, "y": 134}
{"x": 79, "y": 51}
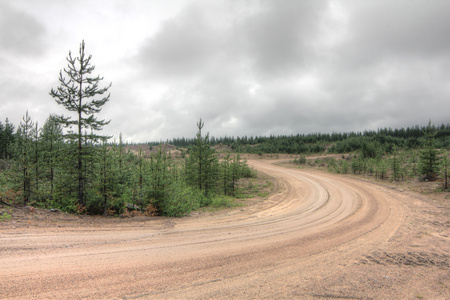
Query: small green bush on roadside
{"x": 4, "y": 216}
{"x": 180, "y": 200}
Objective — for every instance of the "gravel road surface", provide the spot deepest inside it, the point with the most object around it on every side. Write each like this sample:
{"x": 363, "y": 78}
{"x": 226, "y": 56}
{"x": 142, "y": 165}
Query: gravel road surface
{"x": 321, "y": 236}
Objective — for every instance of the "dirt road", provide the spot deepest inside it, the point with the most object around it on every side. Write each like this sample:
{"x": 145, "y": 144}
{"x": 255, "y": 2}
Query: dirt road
{"x": 321, "y": 236}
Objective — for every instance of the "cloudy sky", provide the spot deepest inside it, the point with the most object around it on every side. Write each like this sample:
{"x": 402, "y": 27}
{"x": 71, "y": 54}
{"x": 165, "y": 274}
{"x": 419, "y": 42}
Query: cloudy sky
{"x": 246, "y": 67}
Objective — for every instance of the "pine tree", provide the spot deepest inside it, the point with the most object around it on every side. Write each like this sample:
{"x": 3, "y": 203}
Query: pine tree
{"x": 202, "y": 164}
{"x": 226, "y": 174}
{"x": 160, "y": 177}
{"x": 36, "y": 157}
{"x": 445, "y": 170}
{"x": 51, "y": 145}
{"x": 429, "y": 156}
{"x": 2, "y": 141}
{"x": 25, "y": 134}
{"x": 78, "y": 93}
{"x": 107, "y": 178}
{"x": 140, "y": 191}
{"x": 120, "y": 156}
{"x": 6, "y": 140}
{"x": 239, "y": 169}
{"x": 396, "y": 165}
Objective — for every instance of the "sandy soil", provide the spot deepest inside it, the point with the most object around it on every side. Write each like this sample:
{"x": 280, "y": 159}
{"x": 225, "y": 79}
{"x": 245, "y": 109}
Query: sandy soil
{"x": 321, "y": 236}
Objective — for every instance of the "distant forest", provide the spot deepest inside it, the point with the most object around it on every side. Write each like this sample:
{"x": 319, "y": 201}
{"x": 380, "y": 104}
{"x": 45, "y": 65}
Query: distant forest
{"x": 385, "y": 140}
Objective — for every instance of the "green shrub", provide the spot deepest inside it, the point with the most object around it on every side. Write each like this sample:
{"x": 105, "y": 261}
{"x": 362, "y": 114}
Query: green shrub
{"x": 65, "y": 203}
{"x": 4, "y": 216}
{"x": 180, "y": 200}
{"x": 300, "y": 161}
{"x": 221, "y": 201}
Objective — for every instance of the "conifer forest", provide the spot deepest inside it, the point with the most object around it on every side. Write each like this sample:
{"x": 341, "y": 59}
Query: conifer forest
{"x": 67, "y": 164}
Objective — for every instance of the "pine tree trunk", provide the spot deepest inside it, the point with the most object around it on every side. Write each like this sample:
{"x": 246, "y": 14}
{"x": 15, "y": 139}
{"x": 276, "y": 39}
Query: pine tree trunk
{"x": 51, "y": 169}
{"x": 80, "y": 148}
{"x": 36, "y": 158}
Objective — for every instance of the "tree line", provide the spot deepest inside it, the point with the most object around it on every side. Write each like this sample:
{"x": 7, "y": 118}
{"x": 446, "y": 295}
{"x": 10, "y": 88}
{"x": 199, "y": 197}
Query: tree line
{"x": 67, "y": 164}
{"x": 385, "y": 139}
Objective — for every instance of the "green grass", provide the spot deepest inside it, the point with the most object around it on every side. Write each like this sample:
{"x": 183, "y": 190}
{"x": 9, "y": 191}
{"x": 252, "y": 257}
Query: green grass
{"x": 4, "y": 216}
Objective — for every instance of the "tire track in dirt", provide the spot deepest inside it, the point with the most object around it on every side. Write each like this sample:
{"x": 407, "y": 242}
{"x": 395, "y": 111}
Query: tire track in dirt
{"x": 315, "y": 226}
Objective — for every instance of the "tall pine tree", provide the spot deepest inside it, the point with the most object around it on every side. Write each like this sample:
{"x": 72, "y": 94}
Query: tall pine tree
{"x": 78, "y": 93}
{"x": 25, "y": 134}
{"x": 202, "y": 164}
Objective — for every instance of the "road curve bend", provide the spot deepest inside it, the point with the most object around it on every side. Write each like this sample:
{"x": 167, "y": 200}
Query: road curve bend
{"x": 317, "y": 225}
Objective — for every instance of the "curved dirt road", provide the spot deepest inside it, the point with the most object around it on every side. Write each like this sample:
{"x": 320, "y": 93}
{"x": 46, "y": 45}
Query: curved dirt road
{"x": 321, "y": 236}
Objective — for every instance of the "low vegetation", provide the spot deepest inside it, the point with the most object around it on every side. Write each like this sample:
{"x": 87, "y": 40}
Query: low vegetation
{"x": 40, "y": 171}
{"x": 425, "y": 164}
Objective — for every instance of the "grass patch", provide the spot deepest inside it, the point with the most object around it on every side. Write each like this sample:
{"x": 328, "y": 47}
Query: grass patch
{"x": 262, "y": 187}
{"x": 222, "y": 201}
{"x": 263, "y": 194}
{"x": 4, "y": 216}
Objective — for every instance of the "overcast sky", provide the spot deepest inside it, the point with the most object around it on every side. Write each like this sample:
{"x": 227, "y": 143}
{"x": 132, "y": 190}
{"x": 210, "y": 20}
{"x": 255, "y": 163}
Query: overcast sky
{"x": 245, "y": 67}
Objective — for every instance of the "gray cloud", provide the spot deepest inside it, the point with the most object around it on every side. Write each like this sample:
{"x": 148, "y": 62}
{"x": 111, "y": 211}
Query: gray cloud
{"x": 278, "y": 37}
{"x": 184, "y": 46}
{"x": 216, "y": 66}
{"x": 20, "y": 32}
{"x": 272, "y": 70}
{"x": 253, "y": 67}
{"x": 408, "y": 28}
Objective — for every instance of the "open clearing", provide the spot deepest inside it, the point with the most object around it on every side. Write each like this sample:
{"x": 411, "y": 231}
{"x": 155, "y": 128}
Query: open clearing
{"x": 321, "y": 236}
